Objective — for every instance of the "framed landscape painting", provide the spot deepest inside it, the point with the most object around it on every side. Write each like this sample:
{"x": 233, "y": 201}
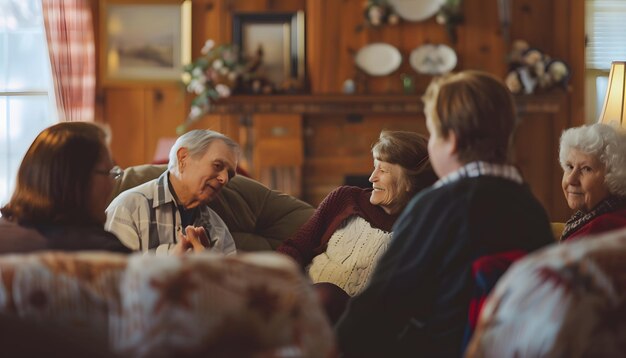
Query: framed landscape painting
{"x": 144, "y": 40}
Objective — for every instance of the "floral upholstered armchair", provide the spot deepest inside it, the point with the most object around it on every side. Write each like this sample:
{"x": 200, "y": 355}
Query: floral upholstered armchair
{"x": 248, "y": 305}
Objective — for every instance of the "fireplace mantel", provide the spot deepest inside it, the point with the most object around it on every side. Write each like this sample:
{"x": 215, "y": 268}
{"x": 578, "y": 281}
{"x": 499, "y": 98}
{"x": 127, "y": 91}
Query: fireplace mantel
{"x": 358, "y": 104}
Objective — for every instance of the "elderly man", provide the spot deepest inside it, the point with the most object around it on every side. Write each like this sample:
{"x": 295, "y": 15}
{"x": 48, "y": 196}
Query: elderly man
{"x": 170, "y": 214}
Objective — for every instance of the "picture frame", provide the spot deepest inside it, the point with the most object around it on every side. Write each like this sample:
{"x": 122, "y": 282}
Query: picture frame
{"x": 280, "y": 37}
{"x": 143, "y": 40}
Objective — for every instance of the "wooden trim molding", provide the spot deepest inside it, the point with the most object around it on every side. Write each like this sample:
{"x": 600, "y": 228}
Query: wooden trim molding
{"x": 359, "y": 104}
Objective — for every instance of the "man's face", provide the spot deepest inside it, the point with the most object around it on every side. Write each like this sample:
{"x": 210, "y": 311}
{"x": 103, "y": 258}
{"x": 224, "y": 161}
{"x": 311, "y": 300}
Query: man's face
{"x": 202, "y": 178}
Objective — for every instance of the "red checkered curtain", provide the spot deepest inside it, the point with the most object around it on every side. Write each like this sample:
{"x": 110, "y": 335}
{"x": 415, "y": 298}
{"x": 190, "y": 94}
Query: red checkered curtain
{"x": 69, "y": 31}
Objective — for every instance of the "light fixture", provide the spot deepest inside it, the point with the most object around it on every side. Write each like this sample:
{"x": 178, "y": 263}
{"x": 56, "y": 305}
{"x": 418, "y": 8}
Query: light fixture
{"x": 614, "y": 108}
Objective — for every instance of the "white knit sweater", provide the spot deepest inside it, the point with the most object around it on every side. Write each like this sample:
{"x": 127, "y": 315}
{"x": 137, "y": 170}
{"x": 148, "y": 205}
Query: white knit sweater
{"x": 352, "y": 253}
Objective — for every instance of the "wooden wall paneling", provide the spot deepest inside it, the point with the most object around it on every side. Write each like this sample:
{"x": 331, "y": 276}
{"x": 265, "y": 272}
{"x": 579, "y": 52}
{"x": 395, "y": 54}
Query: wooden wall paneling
{"x": 575, "y": 41}
{"x": 351, "y": 37}
{"x": 165, "y": 110}
{"x": 211, "y": 19}
{"x": 533, "y": 21}
{"x": 323, "y": 32}
{"x": 534, "y": 139}
{"x": 313, "y": 39}
{"x": 480, "y": 43}
{"x": 124, "y": 110}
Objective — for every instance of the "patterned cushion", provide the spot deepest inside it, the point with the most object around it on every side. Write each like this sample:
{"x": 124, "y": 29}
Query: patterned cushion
{"x": 564, "y": 301}
{"x": 163, "y": 306}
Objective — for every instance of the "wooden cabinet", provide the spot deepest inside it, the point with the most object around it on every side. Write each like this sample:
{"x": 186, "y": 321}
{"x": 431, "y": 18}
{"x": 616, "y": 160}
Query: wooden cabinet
{"x": 278, "y": 151}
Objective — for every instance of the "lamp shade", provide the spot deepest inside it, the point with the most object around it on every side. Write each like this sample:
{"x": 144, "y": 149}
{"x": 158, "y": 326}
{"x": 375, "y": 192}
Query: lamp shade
{"x": 614, "y": 109}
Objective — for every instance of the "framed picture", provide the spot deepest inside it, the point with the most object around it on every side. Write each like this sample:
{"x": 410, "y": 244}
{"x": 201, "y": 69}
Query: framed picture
{"x": 144, "y": 40}
{"x": 278, "y": 40}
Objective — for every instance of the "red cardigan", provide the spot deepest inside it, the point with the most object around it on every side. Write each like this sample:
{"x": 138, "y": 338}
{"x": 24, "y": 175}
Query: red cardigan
{"x": 606, "y": 222}
{"x": 312, "y": 238}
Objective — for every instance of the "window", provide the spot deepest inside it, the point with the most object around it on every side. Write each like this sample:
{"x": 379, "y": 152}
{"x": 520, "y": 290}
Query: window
{"x": 27, "y": 102}
{"x": 605, "y": 28}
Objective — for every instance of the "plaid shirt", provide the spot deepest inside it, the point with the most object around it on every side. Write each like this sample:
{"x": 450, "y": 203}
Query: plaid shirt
{"x": 147, "y": 218}
{"x": 477, "y": 169}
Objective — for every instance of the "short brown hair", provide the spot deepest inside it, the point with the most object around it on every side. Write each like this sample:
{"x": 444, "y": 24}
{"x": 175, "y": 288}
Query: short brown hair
{"x": 410, "y": 151}
{"x": 479, "y": 109}
{"x": 54, "y": 176}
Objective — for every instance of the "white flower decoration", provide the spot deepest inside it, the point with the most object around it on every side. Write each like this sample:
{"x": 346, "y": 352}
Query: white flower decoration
{"x": 217, "y": 64}
{"x": 222, "y": 90}
{"x": 208, "y": 45}
{"x": 195, "y": 112}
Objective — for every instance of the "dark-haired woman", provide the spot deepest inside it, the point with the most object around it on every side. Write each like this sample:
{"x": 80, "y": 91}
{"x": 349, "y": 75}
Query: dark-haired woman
{"x": 63, "y": 187}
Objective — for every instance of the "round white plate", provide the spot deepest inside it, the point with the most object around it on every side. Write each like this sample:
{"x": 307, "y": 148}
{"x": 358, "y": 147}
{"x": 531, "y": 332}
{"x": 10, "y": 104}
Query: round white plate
{"x": 432, "y": 59}
{"x": 378, "y": 59}
{"x": 416, "y": 10}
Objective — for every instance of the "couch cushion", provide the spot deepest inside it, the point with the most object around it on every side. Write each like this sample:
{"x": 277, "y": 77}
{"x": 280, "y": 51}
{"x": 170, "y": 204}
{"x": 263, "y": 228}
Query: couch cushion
{"x": 258, "y": 218}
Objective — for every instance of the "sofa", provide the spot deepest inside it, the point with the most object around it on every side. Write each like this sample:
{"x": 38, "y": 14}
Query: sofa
{"x": 258, "y": 218}
{"x": 247, "y": 305}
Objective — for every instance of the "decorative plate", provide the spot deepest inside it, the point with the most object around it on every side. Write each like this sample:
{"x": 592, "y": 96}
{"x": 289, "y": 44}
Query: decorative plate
{"x": 416, "y": 10}
{"x": 433, "y": 59}
{"x": 378, "y": 59}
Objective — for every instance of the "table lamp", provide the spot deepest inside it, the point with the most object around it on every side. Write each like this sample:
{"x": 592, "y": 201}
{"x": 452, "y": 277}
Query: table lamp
{"x": 614, "y": 108}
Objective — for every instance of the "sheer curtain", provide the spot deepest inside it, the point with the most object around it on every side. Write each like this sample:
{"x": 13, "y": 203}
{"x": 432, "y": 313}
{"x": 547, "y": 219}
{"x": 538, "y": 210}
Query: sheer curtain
{"x": 69, "y": 30}
{"x": 27, "y": 102}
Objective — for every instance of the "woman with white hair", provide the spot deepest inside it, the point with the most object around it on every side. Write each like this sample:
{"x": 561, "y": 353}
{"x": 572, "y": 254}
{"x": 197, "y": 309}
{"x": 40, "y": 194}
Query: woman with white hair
{"x": 593, "y": 158}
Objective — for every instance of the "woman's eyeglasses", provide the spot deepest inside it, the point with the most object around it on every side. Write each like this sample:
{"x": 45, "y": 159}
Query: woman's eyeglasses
{"x": 114, "y": 173}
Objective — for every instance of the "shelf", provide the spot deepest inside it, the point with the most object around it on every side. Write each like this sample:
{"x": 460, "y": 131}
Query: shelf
{"x": 358, "y": 104}
{"x": 320, "y": 104}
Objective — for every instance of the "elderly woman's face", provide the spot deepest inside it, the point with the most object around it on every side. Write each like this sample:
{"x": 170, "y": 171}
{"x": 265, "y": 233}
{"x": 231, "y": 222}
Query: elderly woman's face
{"x": 583, "y": 181}
{"x": 387, "y": 192}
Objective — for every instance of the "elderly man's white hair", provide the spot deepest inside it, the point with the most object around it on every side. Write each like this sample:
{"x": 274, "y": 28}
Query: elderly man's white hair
{"x": 607, "y": 144}
{"x": 197, "y": 143}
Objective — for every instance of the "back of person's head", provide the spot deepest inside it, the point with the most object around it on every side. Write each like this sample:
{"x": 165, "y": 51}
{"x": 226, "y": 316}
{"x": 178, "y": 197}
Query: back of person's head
{"x": 410, "y": 151}
{"x": 478, "y": 109}
{"x": 53, "y": 180}
{"x": 197, "y": 143}
{"x": 604, "y": 142}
